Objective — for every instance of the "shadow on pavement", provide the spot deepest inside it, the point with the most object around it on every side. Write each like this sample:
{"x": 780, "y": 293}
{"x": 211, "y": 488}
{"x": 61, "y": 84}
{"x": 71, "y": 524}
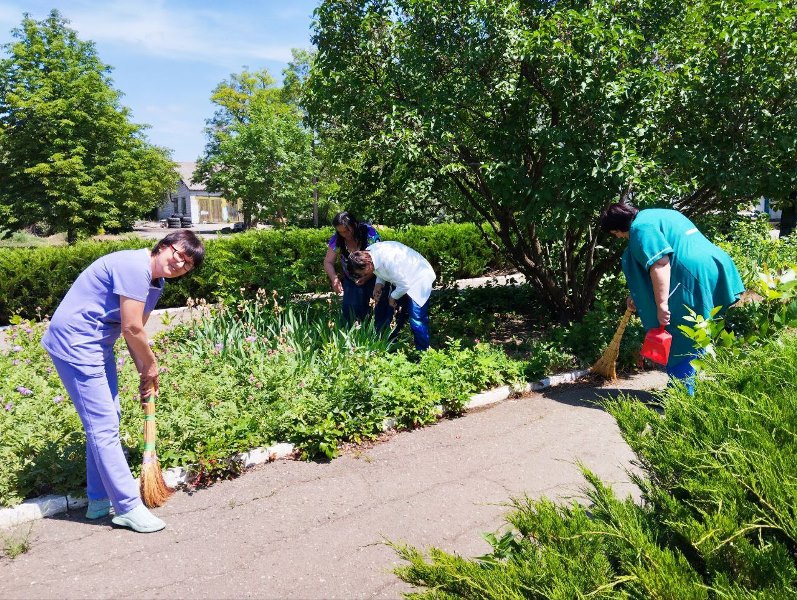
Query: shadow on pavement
{"x": 589, "y": 396}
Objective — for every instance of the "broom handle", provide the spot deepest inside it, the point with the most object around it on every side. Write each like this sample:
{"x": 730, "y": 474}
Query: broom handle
{"x": 618, "y": 335}
{"x": 150, "y": 432}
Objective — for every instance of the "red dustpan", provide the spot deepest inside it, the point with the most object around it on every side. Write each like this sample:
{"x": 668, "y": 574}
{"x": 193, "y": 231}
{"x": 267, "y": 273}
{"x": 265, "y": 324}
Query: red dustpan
{"x": 656, "y": 346}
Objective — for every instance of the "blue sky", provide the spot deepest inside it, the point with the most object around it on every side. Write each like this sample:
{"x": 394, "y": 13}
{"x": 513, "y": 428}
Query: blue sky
{"x": 168, "y": 55}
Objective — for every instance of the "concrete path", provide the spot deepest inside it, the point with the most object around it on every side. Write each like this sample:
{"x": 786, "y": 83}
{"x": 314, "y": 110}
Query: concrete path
{"x": 308, "y": 530}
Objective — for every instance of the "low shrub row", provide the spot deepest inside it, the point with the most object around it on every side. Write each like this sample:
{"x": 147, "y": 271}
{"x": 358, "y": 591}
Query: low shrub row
{"x": 255, "y": 374}
{"x": 33, "y": 280}
{"x": 718, "y": 518}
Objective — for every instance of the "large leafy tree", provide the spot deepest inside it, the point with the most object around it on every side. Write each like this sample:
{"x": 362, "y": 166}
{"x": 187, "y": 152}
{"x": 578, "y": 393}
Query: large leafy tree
{"x": 539, "y": 113}
{"x": 258, "y": 151}
{"x": 70, "y": 157}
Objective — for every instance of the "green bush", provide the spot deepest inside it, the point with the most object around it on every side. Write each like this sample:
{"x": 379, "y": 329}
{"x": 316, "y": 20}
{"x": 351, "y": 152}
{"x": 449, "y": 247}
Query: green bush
{"x": 718, "y": 517}
{"x": 255, "y": 374}
{"x": 34, "y": 280}
{"x": 751, "y": 247}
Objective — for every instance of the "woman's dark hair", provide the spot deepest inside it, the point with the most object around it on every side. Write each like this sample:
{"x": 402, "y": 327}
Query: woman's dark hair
{"x": 358, "y": 261}
{"x": 359, "y": 230}
{"x": 618, "y": 217}
{"x": 190, "y": 244}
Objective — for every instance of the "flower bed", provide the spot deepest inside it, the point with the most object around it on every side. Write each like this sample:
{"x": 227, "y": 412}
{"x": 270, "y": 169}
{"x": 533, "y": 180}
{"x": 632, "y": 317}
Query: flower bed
{"x": 251, "y": 375}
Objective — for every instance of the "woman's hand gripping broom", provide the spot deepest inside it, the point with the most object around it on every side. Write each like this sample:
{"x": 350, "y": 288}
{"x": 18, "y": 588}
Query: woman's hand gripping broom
{"x": 154, "y": 491}
{"x": 605, "y": 366}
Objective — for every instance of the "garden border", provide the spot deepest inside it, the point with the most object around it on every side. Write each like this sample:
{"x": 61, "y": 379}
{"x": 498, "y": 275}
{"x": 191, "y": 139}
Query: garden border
{"x": 53, "y": 504}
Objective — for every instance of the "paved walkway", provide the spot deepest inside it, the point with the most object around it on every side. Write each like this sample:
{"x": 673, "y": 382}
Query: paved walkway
{"x": 312, "y": 530}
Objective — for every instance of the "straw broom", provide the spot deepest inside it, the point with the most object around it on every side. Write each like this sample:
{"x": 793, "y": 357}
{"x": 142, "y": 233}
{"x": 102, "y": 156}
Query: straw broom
{"x": 154, "y": 491}
{"x": 605, "y": 365}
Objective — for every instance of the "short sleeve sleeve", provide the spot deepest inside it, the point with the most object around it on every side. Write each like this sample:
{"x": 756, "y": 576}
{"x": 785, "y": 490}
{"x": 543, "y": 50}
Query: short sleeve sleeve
{"x": 648, "y": 244}
{"x": 332, "y": 244}
{"x": 131, "y": 277}
{"x": 373, "y": 236}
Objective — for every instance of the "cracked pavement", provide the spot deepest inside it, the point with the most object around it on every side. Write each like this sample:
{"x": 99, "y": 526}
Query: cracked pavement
{"x": 294, "y": 529}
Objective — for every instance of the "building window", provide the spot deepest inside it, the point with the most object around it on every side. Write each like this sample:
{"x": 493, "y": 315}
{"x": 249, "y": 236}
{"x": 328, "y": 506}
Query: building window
{"x": 184, "y": 211}
{"x": 174, "y": 202}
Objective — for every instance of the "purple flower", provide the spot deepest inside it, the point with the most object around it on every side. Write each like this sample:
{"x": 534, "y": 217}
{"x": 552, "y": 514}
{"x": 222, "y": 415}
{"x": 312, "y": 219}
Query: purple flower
{"x": 16, "y": 349}
{"x": 15, "y": 362}
{"x": 120, "y": 361}
{"x": 28, "y": 330}
{"x": 219, "y": 347}
{"x": 251, "y": 338}
{"x": 58, "y": 399}
{"x": 151, "y": 343}
{"x": 24, "y": 391}
{"x": 9, "y": 406}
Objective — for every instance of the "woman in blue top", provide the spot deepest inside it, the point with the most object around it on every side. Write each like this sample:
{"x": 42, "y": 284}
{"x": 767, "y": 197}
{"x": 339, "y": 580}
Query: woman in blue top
{"x": 114, "y": 296}
{"x": 669, "y": 266}
{"x": 352, "y": 236}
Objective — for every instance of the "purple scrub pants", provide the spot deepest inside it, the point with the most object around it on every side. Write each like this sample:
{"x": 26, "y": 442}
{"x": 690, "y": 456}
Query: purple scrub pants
{"x": 94, "y": 392}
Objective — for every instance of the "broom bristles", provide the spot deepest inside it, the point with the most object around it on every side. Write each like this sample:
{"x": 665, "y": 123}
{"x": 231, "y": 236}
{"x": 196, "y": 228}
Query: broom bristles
{"x": 154, "y": 491}
{"x": 605, "y": 366}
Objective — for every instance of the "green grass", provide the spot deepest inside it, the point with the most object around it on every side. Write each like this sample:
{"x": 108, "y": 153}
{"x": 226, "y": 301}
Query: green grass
{"x": 718, "y": 517}
{"x": 16, "y": 541}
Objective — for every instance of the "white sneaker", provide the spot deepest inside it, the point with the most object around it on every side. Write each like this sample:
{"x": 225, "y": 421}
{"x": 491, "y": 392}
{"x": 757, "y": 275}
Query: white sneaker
{"x": 139, "y": 519}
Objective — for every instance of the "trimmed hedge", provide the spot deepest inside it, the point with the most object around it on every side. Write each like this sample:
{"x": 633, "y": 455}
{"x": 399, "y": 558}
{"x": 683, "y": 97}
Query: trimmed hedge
{"x": 33, "y": 280}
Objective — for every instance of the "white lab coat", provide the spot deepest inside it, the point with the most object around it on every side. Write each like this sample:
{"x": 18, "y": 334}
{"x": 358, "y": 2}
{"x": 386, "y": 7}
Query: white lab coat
{"x": 405, "y": 268}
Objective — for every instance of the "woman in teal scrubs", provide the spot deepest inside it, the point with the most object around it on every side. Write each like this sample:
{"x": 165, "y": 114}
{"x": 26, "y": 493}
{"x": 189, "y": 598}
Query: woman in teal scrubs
{"x": 669, "y": 266}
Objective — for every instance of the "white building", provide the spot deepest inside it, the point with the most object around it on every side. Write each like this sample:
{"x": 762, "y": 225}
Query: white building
{"x": 192, "y": 198}
{"x": 764, "y": 206}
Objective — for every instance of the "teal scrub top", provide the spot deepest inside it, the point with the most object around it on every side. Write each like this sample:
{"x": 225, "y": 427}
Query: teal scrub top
{"x": 702, "y": 275}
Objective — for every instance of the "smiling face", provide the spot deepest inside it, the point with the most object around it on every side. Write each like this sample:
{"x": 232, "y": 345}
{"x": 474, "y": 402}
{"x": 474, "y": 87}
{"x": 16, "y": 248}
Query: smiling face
{"x": 171, "y": 261}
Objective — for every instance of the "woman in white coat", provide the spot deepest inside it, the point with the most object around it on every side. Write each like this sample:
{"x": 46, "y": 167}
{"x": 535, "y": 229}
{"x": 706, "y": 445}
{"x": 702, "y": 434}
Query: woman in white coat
{"x": 412, "y": 277}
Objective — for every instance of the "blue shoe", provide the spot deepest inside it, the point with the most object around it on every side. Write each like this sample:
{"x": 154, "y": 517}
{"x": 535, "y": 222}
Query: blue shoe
{"x": 98, "y": 509}
{"x": 139, "y": 519}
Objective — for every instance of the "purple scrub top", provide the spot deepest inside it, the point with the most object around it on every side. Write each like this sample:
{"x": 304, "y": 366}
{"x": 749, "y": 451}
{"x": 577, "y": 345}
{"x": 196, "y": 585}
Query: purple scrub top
{"x": 88, "y": 321}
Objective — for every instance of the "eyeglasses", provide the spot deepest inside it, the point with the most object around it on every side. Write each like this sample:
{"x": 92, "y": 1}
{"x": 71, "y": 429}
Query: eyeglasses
{"x": 180, "y": 258}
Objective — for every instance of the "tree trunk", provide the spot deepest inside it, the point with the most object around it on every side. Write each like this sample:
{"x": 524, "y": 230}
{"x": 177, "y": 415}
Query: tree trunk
{"x": 788, "y": 217}
{"x": 71, "y": 235}
{"x": 315, "y": 201}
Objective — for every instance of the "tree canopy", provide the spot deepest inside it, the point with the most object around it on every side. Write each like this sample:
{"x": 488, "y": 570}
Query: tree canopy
{"x": 537, "y": 114}
{"x": 70, "y": 158}
{"x": 258, "y": 150}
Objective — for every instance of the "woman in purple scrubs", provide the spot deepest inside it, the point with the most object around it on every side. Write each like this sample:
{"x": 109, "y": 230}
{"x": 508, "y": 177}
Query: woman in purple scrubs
{"x": 114, "y": 296}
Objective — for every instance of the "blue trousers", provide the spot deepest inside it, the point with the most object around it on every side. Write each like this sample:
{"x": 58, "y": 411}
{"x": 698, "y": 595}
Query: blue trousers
{"x": 94, "y": 392}
{"x": 684, "y": 371}
{"x": 418, "y": 316}
{"x": 356, "y": 303}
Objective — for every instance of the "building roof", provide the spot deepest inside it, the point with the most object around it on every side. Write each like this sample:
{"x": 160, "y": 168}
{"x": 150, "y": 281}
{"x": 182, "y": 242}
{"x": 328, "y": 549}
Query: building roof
{"x": 186, "y": 171}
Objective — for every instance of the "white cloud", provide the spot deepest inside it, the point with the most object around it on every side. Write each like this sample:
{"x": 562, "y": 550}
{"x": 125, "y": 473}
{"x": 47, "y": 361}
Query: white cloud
{"x": 151, "y": 27}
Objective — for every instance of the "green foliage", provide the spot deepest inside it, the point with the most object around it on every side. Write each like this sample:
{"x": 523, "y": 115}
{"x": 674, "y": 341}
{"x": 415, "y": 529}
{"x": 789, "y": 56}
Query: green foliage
{"x": 752, "y": 323}
{"x": 717, "y": 518}
{"x": 531, "y": 116}
{"x": 752, "y": 248}
{"x": 33, "y": 280}
{"x": 248, "y": 375}
{"x": 16, "y": 542}
{"x": 258, "y": 151}
{"x": 71, "y": 158}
